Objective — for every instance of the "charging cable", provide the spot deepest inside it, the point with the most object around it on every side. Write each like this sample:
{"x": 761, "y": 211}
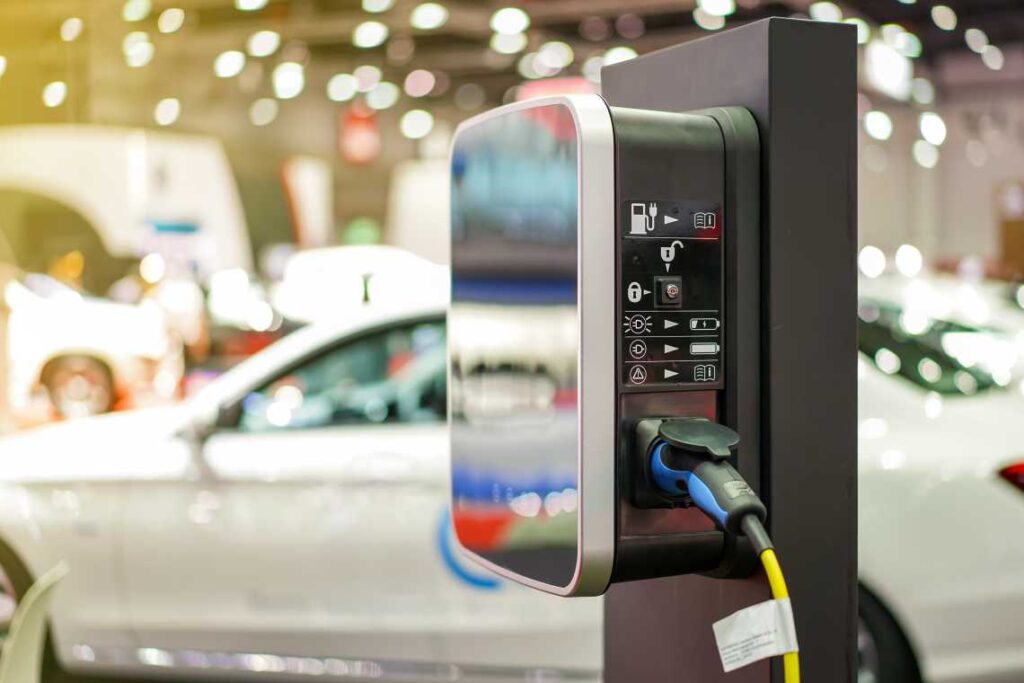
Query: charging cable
{"x": 690, "y": 461}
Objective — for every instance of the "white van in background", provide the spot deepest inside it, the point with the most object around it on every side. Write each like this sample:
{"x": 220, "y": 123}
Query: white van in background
{"x": 141, "y": 191}
{"x": 114, "y": 211}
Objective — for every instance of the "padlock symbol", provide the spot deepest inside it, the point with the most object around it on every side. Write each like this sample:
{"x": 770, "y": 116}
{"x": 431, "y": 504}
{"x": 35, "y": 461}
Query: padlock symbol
{"x": 634, "y": 292}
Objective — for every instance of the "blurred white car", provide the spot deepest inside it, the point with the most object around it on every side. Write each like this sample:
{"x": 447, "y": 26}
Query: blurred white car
{"x": 86, "y": 354}
{"x": 292, "y": 519}
{"x": 333, "y": 281}
{"x": 941, "y": 494}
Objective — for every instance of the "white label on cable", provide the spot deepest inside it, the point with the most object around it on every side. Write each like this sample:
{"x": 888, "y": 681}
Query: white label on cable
{"x": 754, "y": 633}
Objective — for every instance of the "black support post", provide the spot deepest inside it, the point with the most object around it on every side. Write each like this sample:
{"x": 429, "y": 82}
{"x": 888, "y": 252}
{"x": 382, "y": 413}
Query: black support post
{"x": 798, "y": 78}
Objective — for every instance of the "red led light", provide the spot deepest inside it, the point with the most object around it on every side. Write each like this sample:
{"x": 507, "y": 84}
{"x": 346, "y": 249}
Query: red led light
{"x": 1014, "y": 474}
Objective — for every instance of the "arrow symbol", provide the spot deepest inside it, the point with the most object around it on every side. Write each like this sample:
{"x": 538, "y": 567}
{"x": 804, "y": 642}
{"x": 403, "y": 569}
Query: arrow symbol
{"x": 647, "y": 291}
{"x": 669, "y": 219}
{"x": 669, "y": 348}
{"x": 670, "y": 324}
{"x": 670, "y": 373}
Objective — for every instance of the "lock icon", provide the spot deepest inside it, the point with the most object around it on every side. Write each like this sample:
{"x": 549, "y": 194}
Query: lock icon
{"x": 634, "y": 292}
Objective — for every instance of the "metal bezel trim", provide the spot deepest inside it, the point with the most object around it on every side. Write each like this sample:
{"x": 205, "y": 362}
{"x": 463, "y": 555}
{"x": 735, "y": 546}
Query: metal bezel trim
{"x": 596, "y": 383}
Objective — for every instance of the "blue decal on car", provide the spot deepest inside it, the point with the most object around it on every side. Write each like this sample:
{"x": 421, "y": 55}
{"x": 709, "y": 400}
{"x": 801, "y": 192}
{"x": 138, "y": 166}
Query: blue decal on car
{"x": 451, "y": 560}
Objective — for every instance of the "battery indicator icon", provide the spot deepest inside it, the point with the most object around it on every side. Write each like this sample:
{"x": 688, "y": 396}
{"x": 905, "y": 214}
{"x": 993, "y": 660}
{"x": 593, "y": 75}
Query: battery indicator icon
{"x": 703, "y": 348}
{"x": 703, "y": 324}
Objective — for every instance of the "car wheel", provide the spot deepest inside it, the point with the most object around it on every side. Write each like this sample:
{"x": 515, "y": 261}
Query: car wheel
{"x": 79, "y": 386}
{"x": 884, "y": 654}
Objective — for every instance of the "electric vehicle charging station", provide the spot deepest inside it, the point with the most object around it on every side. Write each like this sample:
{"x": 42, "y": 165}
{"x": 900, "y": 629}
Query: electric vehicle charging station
{"x": 648, "y": 330}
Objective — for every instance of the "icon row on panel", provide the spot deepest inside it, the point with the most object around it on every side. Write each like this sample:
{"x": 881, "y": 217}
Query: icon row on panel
{"x": 673, "y": 373}
{"x": 651, "y": 349}
{"x": 646, "y": 323}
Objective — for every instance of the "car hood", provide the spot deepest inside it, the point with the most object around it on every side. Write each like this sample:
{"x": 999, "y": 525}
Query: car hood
{"x": 90, "y": 324}
{"x": 106, "y": 447}
{"x": 903, "y": 427}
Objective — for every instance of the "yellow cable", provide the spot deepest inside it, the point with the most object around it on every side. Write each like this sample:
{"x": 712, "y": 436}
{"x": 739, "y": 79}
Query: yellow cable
{"x": 777, "y": 582}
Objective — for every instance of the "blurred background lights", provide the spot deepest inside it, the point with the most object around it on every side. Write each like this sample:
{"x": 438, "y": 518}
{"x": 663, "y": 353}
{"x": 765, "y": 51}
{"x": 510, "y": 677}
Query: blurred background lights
{"x": 288, "y": 79}
{"x": 377, "y": 6}
{"x": 416, "y": 123}
{"x": 871, "y": 261}
{"x": 825, "y": 11}
{"x": 70, "y": 29}
{"x": 55, "y": 93}
{"x": 263, "y": 111}
{"x": 367, "y": 77}
{"x": 263, "y": 43}
{"x": 619, "y": 54}
{"x": 470, "y": 96}
{"x": 437, "y": 144}
{"x": 528, "y": 66}
{"x": 873, "y": 427}
{"x": 887, "y": 69}
{"x": 508, "y": 43}
{"x": 555, "y": 54}
{"x": 878, "y": 125}
{"x": 863, "y": 29}
{"x": 167, "y": 111}
{"x": 629, "y": 26}
{"x": 891, "y": 33}
{"x": 933, "y": 128}
{"x": 915, "y": 321}
{"x": 369, "y": 34}
{"x": 400, "y": 49}
{"x": 887, "y": 361}
{"x": 384, "y": 96}
{"x": 595, "y": 29}
{"x": 229, "y": 64}
{"x": 250, "y": 5}
{"x": 138, "y": 50}
{"x": 419, "y": 83}
{"x": 944, "y": 17}
{"x": 909, "y": 260}
{"x": 908, "y": 44}
{"x": 893, "y": 459}
{"x": 708, "y": 22}
{"x": 976, "y": 152}
{"x": 993, "y": 57}
{"x": 428, "y": 16}
{"x": 976, "y": 39}
{"x": 342, "y": 87}
{"x": 592, "y": 68}
{"x": 136, "y": 10}
{"x": 152, "y": 268}
{"x": 922, "y": 91}
{"x": 170, "y": 20}
{"x": 3, "y": 65}
{"x": 925, "y": 154}
{"x": 717, "y": 8}
{"x": 510, "y": 20}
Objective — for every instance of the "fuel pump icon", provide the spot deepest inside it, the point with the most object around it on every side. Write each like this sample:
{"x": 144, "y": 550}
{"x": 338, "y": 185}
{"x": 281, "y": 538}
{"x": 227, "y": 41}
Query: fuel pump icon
{"x": 641, "y": 218}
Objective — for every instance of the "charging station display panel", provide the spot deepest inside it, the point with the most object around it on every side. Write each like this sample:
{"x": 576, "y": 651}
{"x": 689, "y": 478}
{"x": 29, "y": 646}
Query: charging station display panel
{"x": 515, "y": 343}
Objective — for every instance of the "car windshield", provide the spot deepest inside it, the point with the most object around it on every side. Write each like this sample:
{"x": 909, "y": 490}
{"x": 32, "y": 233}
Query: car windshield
{"x": 394, "y": 375}
{"x": 938, "y": 355}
